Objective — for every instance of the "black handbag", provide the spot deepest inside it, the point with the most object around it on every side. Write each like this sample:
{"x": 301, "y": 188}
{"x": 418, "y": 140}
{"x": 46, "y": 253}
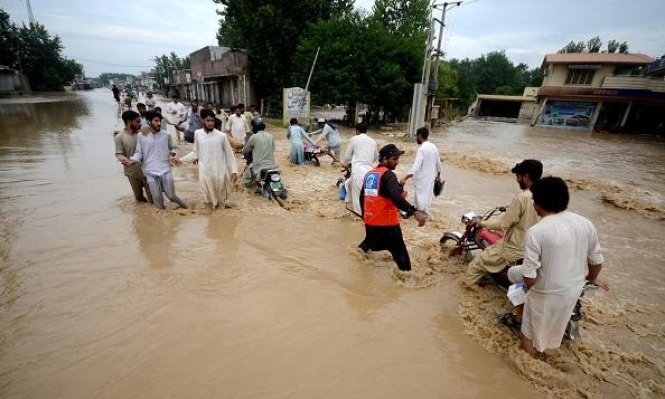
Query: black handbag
{"x": 438, "y": 187}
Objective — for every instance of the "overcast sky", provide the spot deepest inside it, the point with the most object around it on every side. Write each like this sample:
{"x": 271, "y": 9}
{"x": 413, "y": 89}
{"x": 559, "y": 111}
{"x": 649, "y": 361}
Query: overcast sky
{"x": 123, "y": 35}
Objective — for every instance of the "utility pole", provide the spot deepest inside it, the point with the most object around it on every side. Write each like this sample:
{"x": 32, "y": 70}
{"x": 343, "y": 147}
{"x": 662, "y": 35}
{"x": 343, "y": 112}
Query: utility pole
{"x": 31, "y": 17}
{"x": 432, "y": 86}
{"x": 309, "y": 78}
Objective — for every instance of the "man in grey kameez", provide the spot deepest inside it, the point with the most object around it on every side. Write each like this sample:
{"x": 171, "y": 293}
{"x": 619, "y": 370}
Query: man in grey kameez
{"x": 262, "y": 147}
{"x": 155, "y": 151}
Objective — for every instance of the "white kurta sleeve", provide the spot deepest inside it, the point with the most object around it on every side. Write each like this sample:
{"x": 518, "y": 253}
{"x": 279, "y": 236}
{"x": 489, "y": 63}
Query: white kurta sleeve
{"x": 138, "y": 152}
{"x": 194, "y": 154}
{"x": 229, "y": 158}
{"x": 595, "y": 256}
{"x": 348, "y": 155}
{"x": 532, "y": 255}
{"x": 418, "y": 162}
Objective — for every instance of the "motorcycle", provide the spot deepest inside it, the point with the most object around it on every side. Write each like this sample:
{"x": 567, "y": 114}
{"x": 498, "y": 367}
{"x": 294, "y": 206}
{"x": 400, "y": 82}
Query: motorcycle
{"x": 269, "y": 184}
{"x": 475, "y": 238}
{"x": 312, "y": 153}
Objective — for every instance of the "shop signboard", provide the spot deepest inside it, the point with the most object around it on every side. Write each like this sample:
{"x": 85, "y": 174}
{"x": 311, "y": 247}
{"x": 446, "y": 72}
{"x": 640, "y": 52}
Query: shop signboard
{"x": 295, "y": 104}
{"x": 574, "y": 114}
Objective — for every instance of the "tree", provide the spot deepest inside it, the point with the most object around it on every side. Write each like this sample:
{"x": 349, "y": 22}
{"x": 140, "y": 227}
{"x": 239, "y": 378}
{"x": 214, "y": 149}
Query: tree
{"x": 623, "y": 48}
{"x": 594, "y": 45}
{"x": 406, "y": 18}
{"x": 270, "y": 31}
{"x": 573, "y": 47}
{"x": 612, "y": 46}
{"x": 33, "y": 51}
{"x": 167, "y": 64}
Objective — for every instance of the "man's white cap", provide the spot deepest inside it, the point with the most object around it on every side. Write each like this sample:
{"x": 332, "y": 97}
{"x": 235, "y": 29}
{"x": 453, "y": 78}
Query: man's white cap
{"x": 321, "y": 120}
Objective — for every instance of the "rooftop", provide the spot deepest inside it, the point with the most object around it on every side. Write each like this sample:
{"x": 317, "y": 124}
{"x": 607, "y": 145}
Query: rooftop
{"x": 596, "y": 58}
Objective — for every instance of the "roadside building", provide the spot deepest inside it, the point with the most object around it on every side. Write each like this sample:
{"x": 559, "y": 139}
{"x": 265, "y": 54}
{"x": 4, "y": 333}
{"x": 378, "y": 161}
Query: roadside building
{"x": 602, "y": 91}
{"x": 508, "y": 108}
{"x": 13, "y": 82}
{"x": 217, "y": 74}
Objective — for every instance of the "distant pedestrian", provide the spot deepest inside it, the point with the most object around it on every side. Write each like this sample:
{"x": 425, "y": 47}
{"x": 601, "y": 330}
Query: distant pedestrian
{"x": 116, "y": 93}
{"x": 125, "y": 146}
{"x": 155, "y": 151}
{"x": 426, "y": 169}
{"x": 296, "y": 135}
{"x": 193, "y": 122}
{"x": 176, "y": 113}
{"x": 382, "y": 197}
{"x": 330, "y": 133}
{"x": 238, "y": 127}
{"x": 254, "y": 116}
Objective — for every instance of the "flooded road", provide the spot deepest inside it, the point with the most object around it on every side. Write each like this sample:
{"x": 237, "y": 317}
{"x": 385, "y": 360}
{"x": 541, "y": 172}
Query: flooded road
{"x": 102, "y": 297}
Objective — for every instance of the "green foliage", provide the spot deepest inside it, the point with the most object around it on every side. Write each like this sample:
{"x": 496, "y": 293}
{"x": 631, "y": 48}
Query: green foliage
{"x": 270, "y": 31}
{"x": 33, "y": 51}
{"x": 594, "y": 45}
{"x": 406, "y": 18}
{"x": 573, "y": 47}
{"x": 492, "y": 73}
{"x": 371, "y": 59}
{"x": 166, "y": 65}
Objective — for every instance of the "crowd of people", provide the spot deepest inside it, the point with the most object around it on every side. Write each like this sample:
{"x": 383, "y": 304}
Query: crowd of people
{"x": 560, "y": 249}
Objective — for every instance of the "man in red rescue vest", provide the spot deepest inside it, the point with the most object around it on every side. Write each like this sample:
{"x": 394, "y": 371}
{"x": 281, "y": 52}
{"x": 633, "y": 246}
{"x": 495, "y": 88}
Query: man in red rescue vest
{"x": 381, "y": 199}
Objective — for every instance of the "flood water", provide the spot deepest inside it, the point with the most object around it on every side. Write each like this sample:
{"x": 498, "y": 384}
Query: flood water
{"x": 102, "y": 297}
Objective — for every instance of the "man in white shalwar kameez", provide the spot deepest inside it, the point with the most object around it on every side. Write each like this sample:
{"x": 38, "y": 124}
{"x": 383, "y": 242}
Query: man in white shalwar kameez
{"x": 426, "y": 168}
{"x": 217, "y": 164}
{"x": 361, "y": 155}
{"x": 561, "y": 254}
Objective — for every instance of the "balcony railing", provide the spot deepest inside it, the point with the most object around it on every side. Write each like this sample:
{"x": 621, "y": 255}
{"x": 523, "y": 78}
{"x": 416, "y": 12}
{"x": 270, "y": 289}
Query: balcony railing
{"x": 634, "y": 83}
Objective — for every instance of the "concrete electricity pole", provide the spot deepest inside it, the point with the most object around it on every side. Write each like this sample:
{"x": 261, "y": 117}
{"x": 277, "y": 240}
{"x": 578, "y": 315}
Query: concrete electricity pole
{"x": 432, "y": 85}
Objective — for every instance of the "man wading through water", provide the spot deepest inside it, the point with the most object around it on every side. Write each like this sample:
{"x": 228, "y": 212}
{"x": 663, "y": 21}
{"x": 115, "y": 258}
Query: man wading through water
{"x": 380, "y": 199}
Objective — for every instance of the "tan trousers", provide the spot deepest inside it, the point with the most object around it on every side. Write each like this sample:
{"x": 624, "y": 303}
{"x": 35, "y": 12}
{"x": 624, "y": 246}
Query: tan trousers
{"x": 139, "y": 184}
{"x": 492, "y": 260}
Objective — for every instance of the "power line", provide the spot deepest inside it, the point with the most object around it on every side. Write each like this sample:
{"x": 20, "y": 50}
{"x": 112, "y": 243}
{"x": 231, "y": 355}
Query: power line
{"x": 111, "y": 64}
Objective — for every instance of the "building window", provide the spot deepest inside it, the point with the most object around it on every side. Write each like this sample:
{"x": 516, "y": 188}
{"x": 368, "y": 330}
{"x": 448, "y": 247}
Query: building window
{"x": 579, "y": 77}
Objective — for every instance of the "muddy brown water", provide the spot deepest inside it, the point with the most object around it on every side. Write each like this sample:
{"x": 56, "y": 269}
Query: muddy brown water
{"x": 101, "y": 297}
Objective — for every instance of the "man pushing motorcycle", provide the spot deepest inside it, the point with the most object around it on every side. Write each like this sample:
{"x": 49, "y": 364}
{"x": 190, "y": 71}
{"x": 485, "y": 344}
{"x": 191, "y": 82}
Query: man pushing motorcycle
{"x": 518, "y": 218}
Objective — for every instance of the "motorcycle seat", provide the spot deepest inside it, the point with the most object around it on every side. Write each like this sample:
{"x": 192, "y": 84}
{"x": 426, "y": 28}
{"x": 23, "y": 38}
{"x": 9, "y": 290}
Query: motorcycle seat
{"x": 266, "y": 172}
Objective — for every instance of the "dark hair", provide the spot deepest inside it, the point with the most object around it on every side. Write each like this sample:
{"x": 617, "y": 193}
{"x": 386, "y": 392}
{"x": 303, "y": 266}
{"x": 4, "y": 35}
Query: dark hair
{"x": 531, "y": 167}
{"x": 150, "y": 115}
{"x": 158, "y": 108}
{"x": 361, "y": 127}
{"x": 252, "y": 106}
{"x": 232, "y": 108}
{"x": 207, "y": 113}
{"x": 422, "y": 132}
{"x": 551, "y": 194}
{"x": 259, "y": 126}
{"x": 241, "y": 105}
{"x": 294, "y": 121}
{"x": 128, "y": 116}
{"x": 140, "y": 105}
{"x": 194, "y": 101}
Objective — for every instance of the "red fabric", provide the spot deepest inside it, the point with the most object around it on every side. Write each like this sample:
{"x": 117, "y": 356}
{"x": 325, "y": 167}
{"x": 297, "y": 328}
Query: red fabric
{"x": 491, "y": 236}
